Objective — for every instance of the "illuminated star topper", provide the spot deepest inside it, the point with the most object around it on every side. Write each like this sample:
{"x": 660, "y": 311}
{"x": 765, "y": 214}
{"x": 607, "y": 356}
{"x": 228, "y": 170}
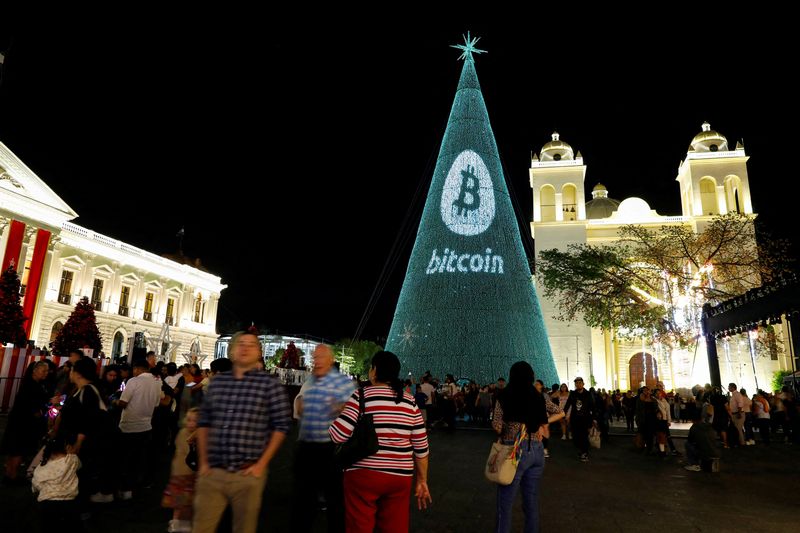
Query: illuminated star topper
{"x": 468, "y": 47}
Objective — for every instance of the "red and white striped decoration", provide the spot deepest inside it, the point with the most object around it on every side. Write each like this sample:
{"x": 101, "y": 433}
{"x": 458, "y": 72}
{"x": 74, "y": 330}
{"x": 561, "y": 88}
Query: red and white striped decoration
{"x": 14, "y": 361}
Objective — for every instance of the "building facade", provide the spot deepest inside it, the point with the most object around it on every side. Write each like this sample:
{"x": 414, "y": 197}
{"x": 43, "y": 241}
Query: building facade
{"x": 138, "y": 296}
{"x": 712, "y": 180}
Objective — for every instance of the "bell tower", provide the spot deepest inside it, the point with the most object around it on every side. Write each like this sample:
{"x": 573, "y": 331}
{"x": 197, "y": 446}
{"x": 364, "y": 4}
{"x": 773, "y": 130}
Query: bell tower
{"x": 556, "y": 177}
{"x": 713, "y": 178}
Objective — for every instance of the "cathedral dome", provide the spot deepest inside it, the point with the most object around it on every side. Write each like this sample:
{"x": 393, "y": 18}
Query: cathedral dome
{"x": 709, "y": 140}
{"x": 556, "y": 150}
{"x": 600, "y": 206}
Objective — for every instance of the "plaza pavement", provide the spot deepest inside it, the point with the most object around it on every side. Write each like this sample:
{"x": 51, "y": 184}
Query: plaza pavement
{"x": 618, "y": 490}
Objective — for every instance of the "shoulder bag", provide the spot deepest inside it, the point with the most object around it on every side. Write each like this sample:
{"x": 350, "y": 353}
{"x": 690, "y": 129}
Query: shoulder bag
{"x": 501, "y": 466}
{"x": 363, "y": 442}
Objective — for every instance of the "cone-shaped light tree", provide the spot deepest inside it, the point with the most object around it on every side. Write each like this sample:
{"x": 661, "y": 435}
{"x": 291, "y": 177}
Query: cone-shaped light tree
{"x": 11, "y": 316}
{"x": 80, "y": 331}
{"x": 468, "y": 305}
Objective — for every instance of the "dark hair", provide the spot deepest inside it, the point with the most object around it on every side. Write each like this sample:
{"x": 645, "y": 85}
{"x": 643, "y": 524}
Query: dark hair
{"x": 141, "y": 363}
{"x": 79, "y": 353}
{"x": 387, "y": 370}
{"x": 172, "y": 369}
{"x": 86, "y": 368}
{"x": 223, "y": 364}
{"x": 518, "y": 399}
{"x": 58, "y": 444}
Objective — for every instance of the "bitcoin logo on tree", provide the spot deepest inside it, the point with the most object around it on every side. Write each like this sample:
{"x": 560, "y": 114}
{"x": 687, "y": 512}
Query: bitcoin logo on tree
{"x": 468, "y": 196}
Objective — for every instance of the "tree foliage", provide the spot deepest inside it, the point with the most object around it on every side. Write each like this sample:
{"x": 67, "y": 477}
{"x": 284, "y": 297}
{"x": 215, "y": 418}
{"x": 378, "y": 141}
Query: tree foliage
{"x": 653, "y": 282}
{"x": 355, "y": 356}
{"x": 12, "y": 319}
{"x": 80, "y": 331}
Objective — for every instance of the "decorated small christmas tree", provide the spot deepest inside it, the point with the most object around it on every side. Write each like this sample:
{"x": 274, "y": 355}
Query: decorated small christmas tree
{"x": 11, "y": 317}
{"x": 80, "y": 331}
{"x": 468, "y": 305}
{"x": 291, "y": 357}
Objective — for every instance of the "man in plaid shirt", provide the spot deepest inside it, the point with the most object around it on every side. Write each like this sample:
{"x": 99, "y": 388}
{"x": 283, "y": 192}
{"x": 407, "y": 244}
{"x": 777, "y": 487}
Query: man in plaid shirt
{"x": 244, "y": 419}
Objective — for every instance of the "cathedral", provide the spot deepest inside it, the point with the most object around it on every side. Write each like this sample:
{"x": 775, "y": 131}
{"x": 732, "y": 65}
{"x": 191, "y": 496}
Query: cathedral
{"x": 712, "y": 181}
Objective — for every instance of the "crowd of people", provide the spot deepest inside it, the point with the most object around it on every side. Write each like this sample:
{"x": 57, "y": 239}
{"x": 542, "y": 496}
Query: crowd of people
{"x": 224, "y": 426}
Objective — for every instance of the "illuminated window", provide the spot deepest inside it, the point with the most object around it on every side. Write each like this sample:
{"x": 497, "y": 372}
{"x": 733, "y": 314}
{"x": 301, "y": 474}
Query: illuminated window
{"x": 708, "y": 196}
{"x": 148, "y": 306}
{"x": 124, "y": 296}
{"x": 198, "y": 309}
{"x": 97, "y": 294}
{"x": 65, "y": 288}
{"x": 170, "y": 311}
{"x": 547, "y": 201}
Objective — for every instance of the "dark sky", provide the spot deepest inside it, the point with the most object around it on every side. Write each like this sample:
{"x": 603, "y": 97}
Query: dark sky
{"x": 290, "y": 149}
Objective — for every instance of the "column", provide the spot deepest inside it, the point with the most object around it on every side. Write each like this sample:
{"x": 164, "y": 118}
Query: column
{"x": 35, "y": 277}
{"x": 559, "y": 207}
{"x": 722, "y": 204}
{"x": 16, "y": 234}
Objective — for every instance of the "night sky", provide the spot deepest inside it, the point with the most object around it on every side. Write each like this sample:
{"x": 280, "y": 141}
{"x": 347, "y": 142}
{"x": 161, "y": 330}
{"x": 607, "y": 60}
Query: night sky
{"x": 291, "y": 149}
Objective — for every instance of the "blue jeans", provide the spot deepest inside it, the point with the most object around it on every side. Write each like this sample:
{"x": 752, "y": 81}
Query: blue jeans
{"x": 529, "y": 474}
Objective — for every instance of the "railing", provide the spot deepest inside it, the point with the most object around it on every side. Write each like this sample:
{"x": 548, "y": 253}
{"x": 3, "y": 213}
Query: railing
{"x": 65, "y": 299}
{"x": 123, "y": 311}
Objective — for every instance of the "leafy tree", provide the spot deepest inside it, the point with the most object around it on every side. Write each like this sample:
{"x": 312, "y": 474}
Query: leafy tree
{"x": 80, "y": 331}
{"x": 653, "y": 282}
{"x": 11, "y": 318}
{"x": 777, "y": 379}
{"x": 355, "y": 356}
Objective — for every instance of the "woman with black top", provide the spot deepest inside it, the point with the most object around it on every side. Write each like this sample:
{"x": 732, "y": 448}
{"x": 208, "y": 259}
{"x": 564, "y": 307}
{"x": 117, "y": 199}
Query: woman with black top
{"x": 517, "y": 405}
{"x": 27, "y": 422}
{"x": 85, "y": 420}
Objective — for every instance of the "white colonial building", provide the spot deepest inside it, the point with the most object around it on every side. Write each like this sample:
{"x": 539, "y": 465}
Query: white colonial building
{"x": 712, "y": 180}
{"x": 169, "y": 306}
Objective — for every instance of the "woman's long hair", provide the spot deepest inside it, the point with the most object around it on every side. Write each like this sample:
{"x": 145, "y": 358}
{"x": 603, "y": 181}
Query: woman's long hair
{"x": 518, "y": 399}
{"x": 387, "y": 370}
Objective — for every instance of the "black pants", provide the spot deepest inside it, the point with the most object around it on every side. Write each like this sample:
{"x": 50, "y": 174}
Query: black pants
{"x": 60, "y": 516}
{"x": 580, "y": 432}
{"x": 316, "y": 472}
{"x": 135, "y": 447}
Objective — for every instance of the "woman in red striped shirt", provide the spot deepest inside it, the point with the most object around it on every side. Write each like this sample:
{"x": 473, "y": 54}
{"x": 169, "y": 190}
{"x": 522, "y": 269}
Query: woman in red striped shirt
{"x": 377, "y": 488}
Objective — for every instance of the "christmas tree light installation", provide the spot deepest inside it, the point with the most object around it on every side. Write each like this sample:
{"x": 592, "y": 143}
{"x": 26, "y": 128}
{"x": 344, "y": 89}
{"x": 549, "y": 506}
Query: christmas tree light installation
{"x": 468, "y": 305}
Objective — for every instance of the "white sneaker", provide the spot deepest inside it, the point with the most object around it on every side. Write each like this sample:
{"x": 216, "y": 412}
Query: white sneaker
{"x": 563, "y": 437}
{"x": 692, "y": 468}
{"x": 125, "y": 495}
{"x": 99, "y": 497}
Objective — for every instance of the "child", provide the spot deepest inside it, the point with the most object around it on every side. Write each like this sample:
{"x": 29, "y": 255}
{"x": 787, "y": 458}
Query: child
{"x": 56, "y": 481}
{"x": 180, "y": 490}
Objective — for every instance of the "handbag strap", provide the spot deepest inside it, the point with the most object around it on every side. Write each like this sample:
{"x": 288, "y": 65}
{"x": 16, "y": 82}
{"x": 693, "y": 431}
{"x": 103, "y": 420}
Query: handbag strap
{"x": 362, "y": 407}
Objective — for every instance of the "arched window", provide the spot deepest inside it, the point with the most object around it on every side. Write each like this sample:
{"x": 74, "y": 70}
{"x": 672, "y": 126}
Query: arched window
{"x": 733, "y": 198}
{"x": 547, "y": 201}
{"x": 708, "y": 196}
{"x": 116, "y": 346}
{"x": 569, "y": 204}
{"x": 57, "y": 327}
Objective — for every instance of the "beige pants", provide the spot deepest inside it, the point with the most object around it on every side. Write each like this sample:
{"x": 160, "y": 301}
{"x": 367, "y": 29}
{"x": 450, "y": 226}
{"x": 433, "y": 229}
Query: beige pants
{"x": 219, "y": 488}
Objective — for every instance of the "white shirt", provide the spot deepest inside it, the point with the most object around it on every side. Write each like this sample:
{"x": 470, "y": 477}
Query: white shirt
{"x": 736, "y": 402}
{"x": 428, "y": 390}
{"x": 58, "y": 479}
{"x": 172, "y": 381}
{"x": 143, "y": 394}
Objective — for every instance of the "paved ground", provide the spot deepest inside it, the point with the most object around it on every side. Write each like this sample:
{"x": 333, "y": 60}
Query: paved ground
{"x": 619, "y": 490}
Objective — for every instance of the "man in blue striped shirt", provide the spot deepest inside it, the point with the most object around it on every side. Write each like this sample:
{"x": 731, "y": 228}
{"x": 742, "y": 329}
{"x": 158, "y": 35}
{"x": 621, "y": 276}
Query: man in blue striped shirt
{"x": 315, "y": 468}
{"x": 244, "y": 420}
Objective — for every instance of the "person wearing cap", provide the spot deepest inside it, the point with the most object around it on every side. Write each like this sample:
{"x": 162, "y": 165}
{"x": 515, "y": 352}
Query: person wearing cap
{"x": 580, "y": 418}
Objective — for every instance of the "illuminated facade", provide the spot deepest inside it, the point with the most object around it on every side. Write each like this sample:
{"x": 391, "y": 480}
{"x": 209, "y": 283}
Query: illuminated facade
{"x": 133, "y": 291}
{"x": 713, "y": 180}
